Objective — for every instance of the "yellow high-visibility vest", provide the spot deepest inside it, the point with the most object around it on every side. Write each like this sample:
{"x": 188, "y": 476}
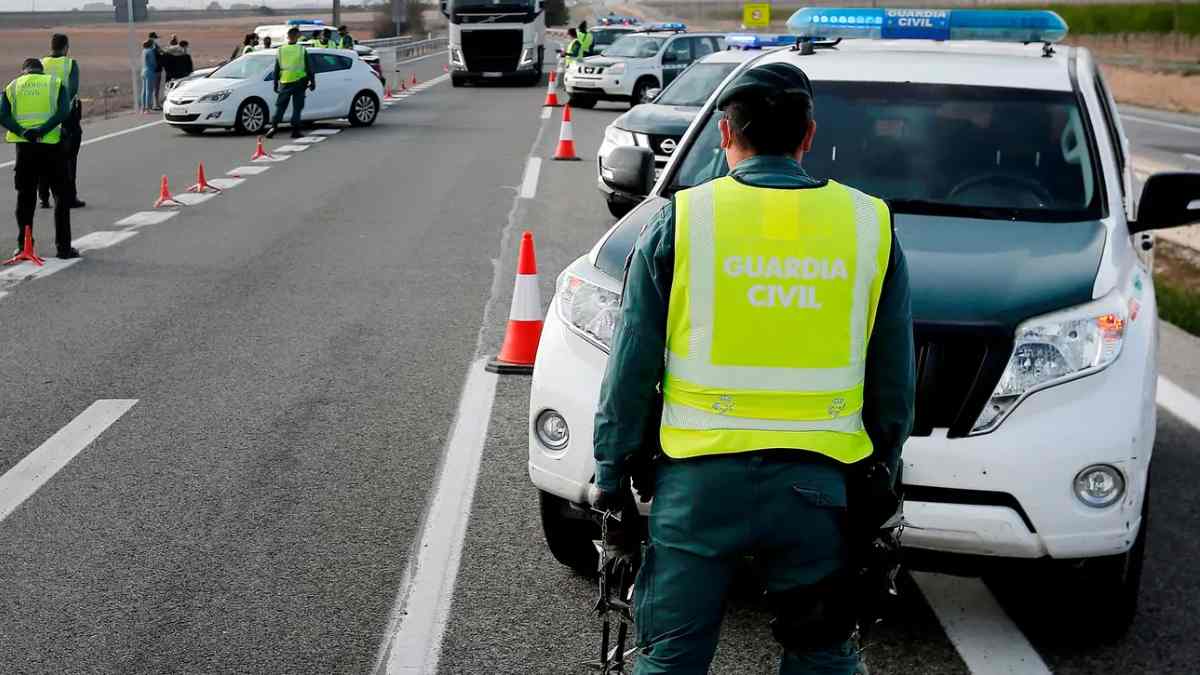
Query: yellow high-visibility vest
{"x": 771, "y": 311}
{"x": 292, "y": 64}
{"x": 60, "y": 67}
{"x": 33, "y": 99}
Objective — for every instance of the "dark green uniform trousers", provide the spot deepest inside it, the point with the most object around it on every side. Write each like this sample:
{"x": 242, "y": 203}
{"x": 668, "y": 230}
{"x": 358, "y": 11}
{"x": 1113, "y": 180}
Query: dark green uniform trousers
{"x": 785, "y": 510}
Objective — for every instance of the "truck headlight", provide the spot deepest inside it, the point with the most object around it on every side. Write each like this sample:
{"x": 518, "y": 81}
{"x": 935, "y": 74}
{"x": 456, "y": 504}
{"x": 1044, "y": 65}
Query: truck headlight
{"x": 615, "y": 69}
{"x": 456, "y": 57}
{"x": 1056, "y": 348}
{"x": 216, "y": 96}
{"x": 618, "y": 136}
{"x": 526, "y": 57}
{"x": 589, "y": 310}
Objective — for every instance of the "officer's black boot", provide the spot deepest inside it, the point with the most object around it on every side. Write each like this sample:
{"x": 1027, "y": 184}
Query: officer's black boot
{"x": 68, "y": 252}
{"x": 271, "y": 132}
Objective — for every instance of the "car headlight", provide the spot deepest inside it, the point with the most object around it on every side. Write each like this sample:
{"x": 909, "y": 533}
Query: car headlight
{"x": 589, "y": 310}
{"x": 216, "y": 96}
{"x": 456, "y": 56}
{"x": 616, "y": 69}
{"x": 618, "y": 136}
{"x": 1056, "y": 348}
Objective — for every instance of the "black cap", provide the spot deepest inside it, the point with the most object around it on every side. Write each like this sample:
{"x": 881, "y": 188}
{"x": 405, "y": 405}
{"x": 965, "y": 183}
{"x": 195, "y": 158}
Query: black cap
{"x": 766, "y": 83}
{"x": 32, "y": 65}
{"x": 153, "y": 35}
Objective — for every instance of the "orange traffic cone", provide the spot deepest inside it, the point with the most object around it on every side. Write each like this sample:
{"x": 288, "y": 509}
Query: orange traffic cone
{"x": 202, "y": 184}
{"x": 551, "y": 94}
{"x": 387, "y": 92}
{"x": 414, "y": 79}
{"x": 28, "y": 252}
{"x": 445, "y": 68}
{"x": 524, "y": 318}
{"x": 553, "y": 77}
{"x": 164, "y": 195}
{"x": 260, "y": 152}
{"x": 566, "y": 138}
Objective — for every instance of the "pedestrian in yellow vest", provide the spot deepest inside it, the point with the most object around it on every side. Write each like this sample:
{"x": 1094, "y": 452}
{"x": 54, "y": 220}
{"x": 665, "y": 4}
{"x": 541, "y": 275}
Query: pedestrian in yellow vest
{"x": 344, "y": 39}
{"x": 32, "y": 110}
{"x": 326, "y": 40}
{"x": 294, "y": 74}
{"x": 66, "y": 69}
{"x": 781, "y": 303}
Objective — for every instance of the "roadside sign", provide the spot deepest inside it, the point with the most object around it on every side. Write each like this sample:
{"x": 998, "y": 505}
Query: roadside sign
{"x": 756, "y": 15}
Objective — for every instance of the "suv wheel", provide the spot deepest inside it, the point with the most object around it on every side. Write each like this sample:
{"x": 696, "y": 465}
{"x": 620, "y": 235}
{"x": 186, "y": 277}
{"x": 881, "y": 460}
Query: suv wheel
{"x": 364, "y": 109}
{"x": 569, "y": 539}
{"x": 457, "y": 81}
{"x": 639, "y": 91}
{"x": 251, "y": 117}
{"x": 581, "y": 101}
{"x": 1121, "y": 575}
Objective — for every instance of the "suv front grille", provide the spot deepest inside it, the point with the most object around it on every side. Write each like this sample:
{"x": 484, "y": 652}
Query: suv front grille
{"x": 656, "y": 144}
{"x": 491, "y": 50}
{"x": 957, "y": 370}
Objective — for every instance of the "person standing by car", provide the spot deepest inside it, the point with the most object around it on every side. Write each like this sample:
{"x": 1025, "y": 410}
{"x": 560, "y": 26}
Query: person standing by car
{"x": 573, "y": 48}
{"x": 294, "y": 74}
{"x": 149, "y": 76}
{"x": 32, "y": 110}
{"x": 782, "y": 305}
{"x": 66, "y": 69}
{"x": 585, "y": 40}
{"x": 344, "y": 39}
{"x": 326, "y": 40}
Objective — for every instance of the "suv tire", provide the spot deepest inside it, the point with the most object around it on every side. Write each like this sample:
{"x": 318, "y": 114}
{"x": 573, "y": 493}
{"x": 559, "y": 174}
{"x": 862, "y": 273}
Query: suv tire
{"x": 581, "y": 101}
{"x": 569, "y": 539}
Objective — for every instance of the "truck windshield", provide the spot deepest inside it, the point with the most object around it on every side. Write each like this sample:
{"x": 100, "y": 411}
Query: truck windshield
{"x": 491, "y": 6}
{"x": 977, "y": 152}
{"x": 695, "y": 85}
{"x": 635, "y": 46}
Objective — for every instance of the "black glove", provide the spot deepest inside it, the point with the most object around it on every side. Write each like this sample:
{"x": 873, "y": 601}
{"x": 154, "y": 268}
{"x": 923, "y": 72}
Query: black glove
{"x": 31, "y": 135}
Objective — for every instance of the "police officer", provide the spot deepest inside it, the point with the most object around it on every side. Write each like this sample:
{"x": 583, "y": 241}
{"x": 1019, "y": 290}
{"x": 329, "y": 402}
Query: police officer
{"x": 326, "y": 40}
{"x": 344, "y": 39}
{"x": 294, "y": 73}
{"x": 781, "y": 303}
{"x": 573, "y": 49}
{"x": 66, "y": 69}
{"x": 585, "y": 39}
{"x": 32, "y": 109}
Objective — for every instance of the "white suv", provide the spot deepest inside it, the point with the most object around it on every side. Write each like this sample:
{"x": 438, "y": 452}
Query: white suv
{"x": 637, "y": 62}
{"x": 1008, "y": 175}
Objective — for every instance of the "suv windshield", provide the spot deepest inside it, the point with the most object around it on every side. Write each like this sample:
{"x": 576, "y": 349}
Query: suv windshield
{"x": 695, "y": 85}
{"x": 635, "y": 46}
{"x": 251, "y": 65}
{"x": 602, "y": 37}
{"x": 980, "y": 152}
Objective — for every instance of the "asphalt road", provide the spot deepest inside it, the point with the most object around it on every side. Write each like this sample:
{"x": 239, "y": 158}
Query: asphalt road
{"x": 297, "y": 349}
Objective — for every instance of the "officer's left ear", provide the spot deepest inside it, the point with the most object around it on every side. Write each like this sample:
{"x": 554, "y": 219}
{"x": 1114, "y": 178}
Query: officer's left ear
{"x": 811, "y": 133}
{"x": 726, "y": 134}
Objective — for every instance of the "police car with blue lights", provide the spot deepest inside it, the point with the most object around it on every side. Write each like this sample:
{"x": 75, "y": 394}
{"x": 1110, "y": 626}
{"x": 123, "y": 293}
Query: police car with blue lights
{"x": 649, "y": 58}
{"x": 659, "y": 123}
{"x": 1002, "y": 156}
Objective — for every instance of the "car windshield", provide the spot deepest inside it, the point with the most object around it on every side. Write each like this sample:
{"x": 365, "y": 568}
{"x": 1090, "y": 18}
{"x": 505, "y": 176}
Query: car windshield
{"x": 602, "y": 37}
{"x": 981, "y": 152}
{"x": 635, "y": 46}
{"x": 249, "y": 66}
{"x": 695, "y": 85}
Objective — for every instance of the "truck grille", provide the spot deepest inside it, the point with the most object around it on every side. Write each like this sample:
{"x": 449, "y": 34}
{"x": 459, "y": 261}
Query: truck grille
{"x": 957, "y": 370}
{"x": 487, "y": 51}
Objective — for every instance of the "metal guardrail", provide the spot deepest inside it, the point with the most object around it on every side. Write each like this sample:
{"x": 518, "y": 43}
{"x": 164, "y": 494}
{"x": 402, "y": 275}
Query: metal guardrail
{"x": 422, "y": 47}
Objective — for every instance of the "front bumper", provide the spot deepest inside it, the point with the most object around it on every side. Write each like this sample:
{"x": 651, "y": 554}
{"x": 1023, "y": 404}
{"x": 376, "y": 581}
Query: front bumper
{"x": 1004, "y": 494}
{"x": 604, "y": 86}
{"x": 207, "y": 114}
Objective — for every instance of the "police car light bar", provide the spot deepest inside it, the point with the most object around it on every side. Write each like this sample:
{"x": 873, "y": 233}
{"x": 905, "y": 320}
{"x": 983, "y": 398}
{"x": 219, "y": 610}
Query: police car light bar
{"x": 996, "y": 25}
{"x": 754, "y": 41}
{"x": 671, "y": 26}
{"x": 305, "y": 22}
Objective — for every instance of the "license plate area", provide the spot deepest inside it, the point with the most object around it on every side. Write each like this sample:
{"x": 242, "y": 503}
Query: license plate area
{"x": 493, "y": 74}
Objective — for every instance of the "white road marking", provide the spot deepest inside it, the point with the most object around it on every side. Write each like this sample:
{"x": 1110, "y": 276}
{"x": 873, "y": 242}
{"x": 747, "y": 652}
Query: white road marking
{"x": 1194, "y": 158}
{"x": 27, "y": 271}
{"x": 3, "y": 294}
{"x": 985, "y": 637}
{"x": 105, "y": 137}
{"x": 39, "y": 466}
{"x": 529, "y": 184}
{"x": 309, "y": 140}
{"x": 146, "y": 218}
{"x": 193, "y": 198}
{"x": 269, "y": 158}
{"x": 240, "y": 171}
{"x": 226, "y": 183}
{"x": 1177, "y": 401}
{"x": 547, "y": 112}
{"x": 291, "y": 148}
{"x": 427, "y": 588}
{"x": 1169, "y": 125}
{"x": 325, "y": 132}
{"x": 101, "y": 239}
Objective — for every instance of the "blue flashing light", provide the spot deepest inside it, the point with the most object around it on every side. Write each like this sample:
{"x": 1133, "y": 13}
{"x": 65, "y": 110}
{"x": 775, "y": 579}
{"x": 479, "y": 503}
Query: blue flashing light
{"x": 757, "y": 41}
{"x": 996, "y": 25}
{"x": 305, "y": 22}
{"x": 671, "y": 25}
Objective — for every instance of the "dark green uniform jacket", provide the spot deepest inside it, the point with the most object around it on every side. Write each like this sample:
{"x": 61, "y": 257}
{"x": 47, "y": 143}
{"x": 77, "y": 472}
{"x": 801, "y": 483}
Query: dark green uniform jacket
{"x": 636, "y": 363}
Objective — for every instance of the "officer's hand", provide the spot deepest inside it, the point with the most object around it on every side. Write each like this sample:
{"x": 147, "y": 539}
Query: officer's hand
{"x": 604, "y": 501}
{"x": 31, "y": 135}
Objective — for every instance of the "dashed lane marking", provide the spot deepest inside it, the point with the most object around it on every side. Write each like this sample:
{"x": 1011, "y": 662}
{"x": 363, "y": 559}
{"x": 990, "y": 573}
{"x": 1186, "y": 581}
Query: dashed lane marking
{"x": 240, "y": 171}
{"x": 227, "y": 183}
{"x": 10, "y": 276}
{"x": 291, "y": 148}
{"x": 146, "y": 218}
{"x": 325, "y": 132}
{"x": 1177, "y": 401}
{"x": 39, "y": 466}
{"x": 985, "y": 637}
{"x": 269, "y": 159}
{"x": 193, "y": 198}
{"x": 1194, "y": 158}
{"x": 102, "y": 239}
{"x": 529, "y": 183}
{"x": 547, "y": 112}
{"x": 309, "y": 140}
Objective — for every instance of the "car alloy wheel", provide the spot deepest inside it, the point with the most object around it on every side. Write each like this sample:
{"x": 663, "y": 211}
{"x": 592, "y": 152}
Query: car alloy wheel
{"x": 252, "y": 117}
{"x": 365, "y": 109}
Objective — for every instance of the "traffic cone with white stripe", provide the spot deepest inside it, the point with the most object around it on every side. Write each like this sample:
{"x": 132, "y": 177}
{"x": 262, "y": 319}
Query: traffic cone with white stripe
{"x": 551, "y": 94}
{"x": 524, "y": 318}
{"x": 566, "y": 138}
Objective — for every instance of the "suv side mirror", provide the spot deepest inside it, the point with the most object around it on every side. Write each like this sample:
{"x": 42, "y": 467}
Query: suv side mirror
{"x": 1168, "y": 200}
{"x": 670, "y": 57}
{"x": 650, "y": 94}
{"x": 444, "y": 5}
{"x": 629, "y": 170}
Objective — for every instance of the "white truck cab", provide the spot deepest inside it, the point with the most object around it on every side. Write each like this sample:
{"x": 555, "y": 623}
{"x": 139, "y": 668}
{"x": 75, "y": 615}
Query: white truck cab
{"x": 496, "y": 39}
{"x": 1003, "y": 160}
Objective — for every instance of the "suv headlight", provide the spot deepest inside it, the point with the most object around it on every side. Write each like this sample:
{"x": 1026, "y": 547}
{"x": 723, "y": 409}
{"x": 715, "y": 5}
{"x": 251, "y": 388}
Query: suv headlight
{"x": 618, "y": 136}
{"x": 1056, "y": 348}
{"x": 216, "y": 96}
{"x": 615, "y": 69}
{"x": 589, "y": 310}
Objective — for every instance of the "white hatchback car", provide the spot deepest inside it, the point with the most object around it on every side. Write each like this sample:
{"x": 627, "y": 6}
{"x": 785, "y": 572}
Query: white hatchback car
{"x": 240, "y": 94}
{"x": 1009, "y": 178}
